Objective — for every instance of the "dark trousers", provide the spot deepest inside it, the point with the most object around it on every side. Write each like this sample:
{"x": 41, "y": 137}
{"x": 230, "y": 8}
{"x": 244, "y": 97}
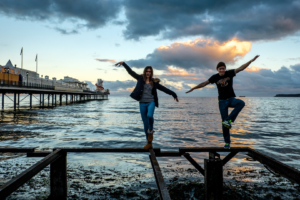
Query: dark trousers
{"x": 232, "y": 102}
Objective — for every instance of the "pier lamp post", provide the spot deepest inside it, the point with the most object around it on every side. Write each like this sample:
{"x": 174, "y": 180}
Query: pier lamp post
{"x": 27, "y": 78}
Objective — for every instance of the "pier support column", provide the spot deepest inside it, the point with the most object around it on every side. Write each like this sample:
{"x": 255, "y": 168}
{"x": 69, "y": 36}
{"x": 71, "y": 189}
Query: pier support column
{"x": 40, "y": 100}
{"x": 60, "y": 99}
{"x": 15, "y": 101}
{"x": 213, "y": 179}
{"x": 18, "y": 101}
{"x": 3, "y": 95}
{"x": 67, "y": 99}
{"x": 55, "y": 99}
{"x": 43, "y": 103}
{"x": 30, "y": 100}
{"x": 48, "y": 100}
{"x": 52, "y": 100}
{"x": 58, "y": 178}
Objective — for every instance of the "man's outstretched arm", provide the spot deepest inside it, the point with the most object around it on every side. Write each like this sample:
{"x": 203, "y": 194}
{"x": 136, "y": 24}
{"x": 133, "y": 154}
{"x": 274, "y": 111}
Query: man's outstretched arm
{"x": 201, "y": 85}
{"x": 244, "y": 66}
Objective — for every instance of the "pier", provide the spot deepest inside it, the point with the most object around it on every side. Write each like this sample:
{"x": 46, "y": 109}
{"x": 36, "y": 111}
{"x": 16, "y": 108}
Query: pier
{"x": 212, "y": 172}
{"x": 48, "y": 96}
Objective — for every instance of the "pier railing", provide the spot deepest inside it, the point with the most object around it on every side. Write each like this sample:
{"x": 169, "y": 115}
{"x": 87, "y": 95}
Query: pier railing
{"x": 212, "y": 172}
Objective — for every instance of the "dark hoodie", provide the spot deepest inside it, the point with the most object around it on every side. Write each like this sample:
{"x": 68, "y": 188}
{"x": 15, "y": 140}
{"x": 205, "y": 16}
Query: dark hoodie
{"x": 138, "y": 90}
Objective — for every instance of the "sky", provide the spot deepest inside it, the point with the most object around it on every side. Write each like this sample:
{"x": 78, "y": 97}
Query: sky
{"x": 182, "y": 40}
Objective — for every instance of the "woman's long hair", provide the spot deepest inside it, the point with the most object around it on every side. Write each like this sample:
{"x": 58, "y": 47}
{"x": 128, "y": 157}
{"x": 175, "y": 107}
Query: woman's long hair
{"x": 151, "y": 76}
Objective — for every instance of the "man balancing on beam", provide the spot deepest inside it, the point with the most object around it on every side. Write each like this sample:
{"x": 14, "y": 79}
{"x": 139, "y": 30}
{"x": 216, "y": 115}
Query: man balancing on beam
{"x": 224, "y": 82}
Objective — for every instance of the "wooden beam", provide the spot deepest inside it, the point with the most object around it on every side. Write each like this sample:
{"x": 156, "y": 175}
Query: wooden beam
{"x": 194, "y": 163}
{"x": 162, "y": 188}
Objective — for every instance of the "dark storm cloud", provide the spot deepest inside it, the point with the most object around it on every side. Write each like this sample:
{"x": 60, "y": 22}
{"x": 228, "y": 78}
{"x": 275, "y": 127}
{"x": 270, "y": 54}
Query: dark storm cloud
{"x": 89, "y": 13}
{"x": 223, "y": 20}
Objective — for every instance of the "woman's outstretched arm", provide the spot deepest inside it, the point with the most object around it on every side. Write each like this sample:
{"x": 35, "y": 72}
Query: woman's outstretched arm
{"x": 167, "y": 91}
{"x": 128, "y": 69}
{"x": 201, "y": 85}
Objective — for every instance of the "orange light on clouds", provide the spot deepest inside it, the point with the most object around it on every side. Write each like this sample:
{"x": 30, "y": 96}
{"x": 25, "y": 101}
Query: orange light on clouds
{"x": 206, "y": 49}
{"x": 254, "y": 69}
{"x": 106, "y": 60}
{"x": 180, "y": 72}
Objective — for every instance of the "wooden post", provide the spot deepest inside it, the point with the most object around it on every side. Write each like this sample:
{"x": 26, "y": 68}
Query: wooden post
{"x": 66, "y": 99}
{"x": 55, "y": 99}
{"x": 3, "y": 95}
{"x": 52, "y": 100}
{"x": 30, "y": 100}
{"x": 18, "y": 101}
{"x": 58, "y": 178}
{"x": 15, "y": 101}
{"x": 40, "y": 99}
{"x": 43, "y": 103}
{"x": 60, "y": 99}
{"x": 213, "y": 179}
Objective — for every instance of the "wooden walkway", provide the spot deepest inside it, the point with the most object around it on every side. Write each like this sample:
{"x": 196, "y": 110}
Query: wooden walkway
{"x": 212, "y": 172}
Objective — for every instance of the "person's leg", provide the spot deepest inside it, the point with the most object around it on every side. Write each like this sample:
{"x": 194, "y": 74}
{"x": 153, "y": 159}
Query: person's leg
{"x": 151, "y": 108}
{"x": 238, "y": 105}
{"x": 143, "y": 110}
{"x": 223, "y": 106}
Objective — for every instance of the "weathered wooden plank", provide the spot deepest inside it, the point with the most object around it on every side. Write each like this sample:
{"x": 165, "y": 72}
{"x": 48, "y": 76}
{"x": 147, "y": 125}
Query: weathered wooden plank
{"x": 107, "y": 150}
{"x": 228, "y": 157}
{"x": 277, "y": 166}
{"x": 212, "y": 149}
{"x": 16, "y": 150}
{"x": 194, "y": 163}
{"x": 162, "y": 188}
{"x": 22, "y": 178}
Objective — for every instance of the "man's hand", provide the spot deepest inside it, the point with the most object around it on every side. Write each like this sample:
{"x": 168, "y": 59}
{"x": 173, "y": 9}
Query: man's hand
{"x": 119, "y": 64}
{"x": 190, "y": 90}
{"x": 254, "y": 58}
{"x": 176, "y": 99}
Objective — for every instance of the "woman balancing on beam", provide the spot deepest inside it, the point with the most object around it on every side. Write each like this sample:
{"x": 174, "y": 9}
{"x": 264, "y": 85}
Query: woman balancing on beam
{"x": 224, "y": 82}
{"x": 145, "y": 92}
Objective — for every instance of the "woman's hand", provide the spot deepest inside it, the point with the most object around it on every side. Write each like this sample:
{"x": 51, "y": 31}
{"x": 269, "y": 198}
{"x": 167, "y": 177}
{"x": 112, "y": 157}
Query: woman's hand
{"x": 119, "y": 64}
{"x": 176, "y": 99}
{"x": 190, "y": 90}
{"x": 254, "y": 58}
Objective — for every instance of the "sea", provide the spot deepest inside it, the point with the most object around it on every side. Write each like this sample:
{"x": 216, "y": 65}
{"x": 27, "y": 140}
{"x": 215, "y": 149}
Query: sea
{"x": 267, "y": 124}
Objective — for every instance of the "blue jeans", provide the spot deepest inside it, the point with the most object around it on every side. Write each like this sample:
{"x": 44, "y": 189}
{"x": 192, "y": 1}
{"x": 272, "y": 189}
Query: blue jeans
{"x": 147, "y": 111}
{"x": 232, "y": 102}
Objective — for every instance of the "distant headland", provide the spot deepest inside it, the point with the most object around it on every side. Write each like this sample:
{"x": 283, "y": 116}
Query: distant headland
{"x": 287, "y": 95}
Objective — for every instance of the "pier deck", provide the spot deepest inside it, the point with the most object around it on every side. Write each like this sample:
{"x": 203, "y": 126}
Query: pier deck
{"x": 54, "y": 96}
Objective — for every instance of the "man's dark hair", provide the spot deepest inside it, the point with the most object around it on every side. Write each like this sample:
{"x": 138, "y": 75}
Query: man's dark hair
{"x": 220, "y": 64}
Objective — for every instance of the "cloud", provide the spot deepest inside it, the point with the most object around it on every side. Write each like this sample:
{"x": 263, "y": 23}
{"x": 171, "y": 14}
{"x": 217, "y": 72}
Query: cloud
{"x": 89, "y": 13}
{"x": 222, "y": 20}
{"x": 179, "y": 73}
{"x": 254, "y": 69}
{"x": 119, "y": 87}
{"x": 296, "y": 67}
{"x": 91, "y": 85}
{"x": 66, "y": 32}
{"x": 200, "y": 54}
{"x": 258, "y": 82}
{"x": 169, "y": 19}
{"x": 106, "y": 60}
